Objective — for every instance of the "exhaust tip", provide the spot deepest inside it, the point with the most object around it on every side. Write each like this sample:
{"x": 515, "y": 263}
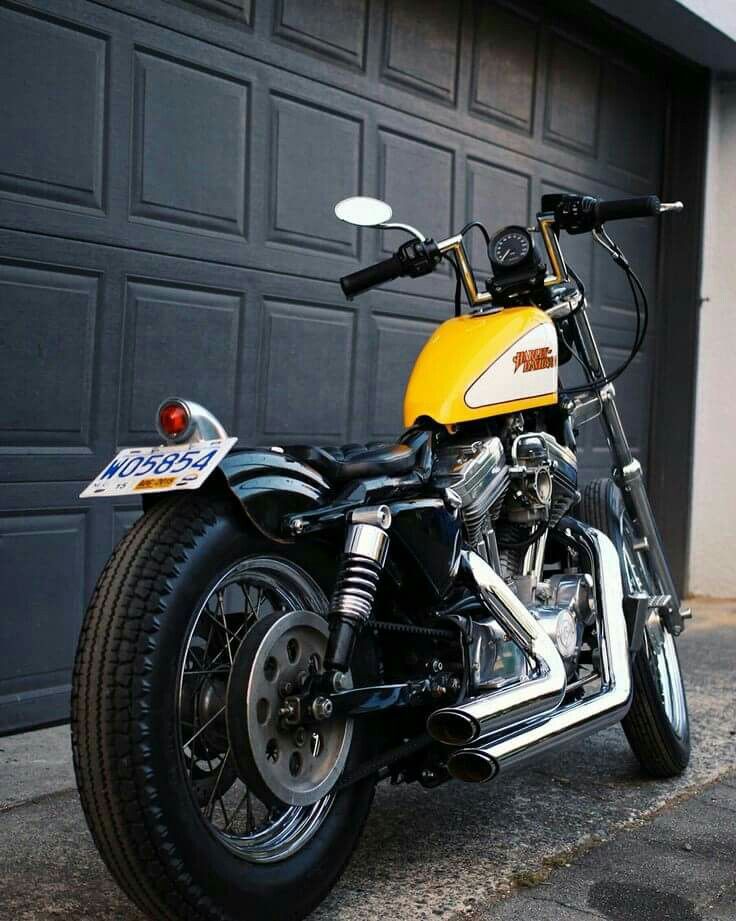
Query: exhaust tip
{"x": 472, "y": 766}
{"x": 453, "y": 727}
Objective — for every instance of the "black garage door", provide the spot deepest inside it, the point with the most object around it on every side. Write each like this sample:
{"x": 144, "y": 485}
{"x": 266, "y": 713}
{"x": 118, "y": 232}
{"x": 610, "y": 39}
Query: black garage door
{"x": 167, "y": 176}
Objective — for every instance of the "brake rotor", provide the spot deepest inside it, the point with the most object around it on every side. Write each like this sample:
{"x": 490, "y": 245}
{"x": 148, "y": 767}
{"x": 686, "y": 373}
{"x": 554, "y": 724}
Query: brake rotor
{"x": 282, "y": 764}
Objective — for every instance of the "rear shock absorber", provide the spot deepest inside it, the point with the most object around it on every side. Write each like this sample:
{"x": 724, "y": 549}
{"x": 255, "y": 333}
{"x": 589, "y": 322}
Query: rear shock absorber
{"x": 366, "y": 547}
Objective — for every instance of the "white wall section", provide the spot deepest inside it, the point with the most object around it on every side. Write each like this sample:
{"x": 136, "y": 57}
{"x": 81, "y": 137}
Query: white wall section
{"x": 713, "y": 527}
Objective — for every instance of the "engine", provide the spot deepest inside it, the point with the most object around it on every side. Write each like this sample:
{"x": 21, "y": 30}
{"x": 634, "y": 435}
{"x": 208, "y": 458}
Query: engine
{"x": 535, "y": 484}
{"x": 504, "y": 496}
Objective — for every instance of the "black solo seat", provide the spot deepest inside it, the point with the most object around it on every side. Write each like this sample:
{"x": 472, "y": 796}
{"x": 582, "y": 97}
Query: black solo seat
{"x": 355, "y": 461}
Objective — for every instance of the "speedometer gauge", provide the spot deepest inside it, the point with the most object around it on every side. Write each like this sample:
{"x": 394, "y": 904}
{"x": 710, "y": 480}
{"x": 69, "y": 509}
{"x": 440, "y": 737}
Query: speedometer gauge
{"x": 509, "y": 247}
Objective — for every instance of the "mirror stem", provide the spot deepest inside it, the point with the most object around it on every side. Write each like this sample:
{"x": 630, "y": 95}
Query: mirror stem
{"x": 397, "y": 226}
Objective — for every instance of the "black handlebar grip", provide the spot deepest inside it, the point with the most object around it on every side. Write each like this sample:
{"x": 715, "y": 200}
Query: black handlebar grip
{"x": 372, "y": 275}
{"x": 624, "y": 208}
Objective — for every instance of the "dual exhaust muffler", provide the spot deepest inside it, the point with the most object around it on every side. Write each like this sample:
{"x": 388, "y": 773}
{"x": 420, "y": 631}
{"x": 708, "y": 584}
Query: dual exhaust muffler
{"x": 507, "y": 727}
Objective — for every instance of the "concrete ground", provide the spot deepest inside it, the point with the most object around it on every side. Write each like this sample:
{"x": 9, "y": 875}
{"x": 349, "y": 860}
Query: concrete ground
{"x": 581, "y": 834}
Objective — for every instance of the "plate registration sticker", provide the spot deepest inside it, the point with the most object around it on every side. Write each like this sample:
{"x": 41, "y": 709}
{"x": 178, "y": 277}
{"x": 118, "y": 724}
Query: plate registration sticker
{"x": 141, "y": 470}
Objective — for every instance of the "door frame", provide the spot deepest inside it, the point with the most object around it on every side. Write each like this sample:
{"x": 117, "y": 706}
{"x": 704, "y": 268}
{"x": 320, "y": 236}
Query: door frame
{"x": 671, "y": 446}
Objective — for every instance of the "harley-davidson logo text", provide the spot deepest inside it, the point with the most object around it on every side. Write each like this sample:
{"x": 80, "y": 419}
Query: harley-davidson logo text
{"x": 534, "y": 360}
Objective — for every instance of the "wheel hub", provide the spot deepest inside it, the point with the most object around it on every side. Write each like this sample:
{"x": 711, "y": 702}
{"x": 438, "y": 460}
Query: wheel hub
{"x": 279, "y": 761}
{"x": 210, "y": 702}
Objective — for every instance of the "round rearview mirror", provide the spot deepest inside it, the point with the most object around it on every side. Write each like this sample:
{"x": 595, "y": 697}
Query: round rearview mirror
{"x": 363, "y": 211}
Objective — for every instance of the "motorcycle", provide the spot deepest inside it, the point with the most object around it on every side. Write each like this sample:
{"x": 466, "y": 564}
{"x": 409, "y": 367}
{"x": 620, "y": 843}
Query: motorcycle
{"x": 287, "y": 626}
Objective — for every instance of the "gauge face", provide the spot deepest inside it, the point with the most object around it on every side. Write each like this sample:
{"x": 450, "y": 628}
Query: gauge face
{"x": 510, "y": 247}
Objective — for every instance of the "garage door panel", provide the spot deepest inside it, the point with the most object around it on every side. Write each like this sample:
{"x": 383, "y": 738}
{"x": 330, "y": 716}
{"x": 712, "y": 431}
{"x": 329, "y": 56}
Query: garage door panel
{"x": 300, "y": 342}
{"x": 52, "y": 111}
{"x": 397, "y": 342}
{"x": 334, "y": 28}
{"x": 190, "y": 155}
{"x": 632, "y": 115}
{"x": 45, "y": 529}
{"x": 496, "y": 195}
{"x": 421, "y": 51}
{"x": 48, "y": 319}
{"x": 51, "y": 542}
{"x": 177, "y": 340}
{"x": 417, "y": 178}
{"x": 504, "y": 76}
{"x": 240, "y": 10}
{"x": 572, "y": 104}
{"x": 316, "y": 155}
{"x": 41, "y": 616}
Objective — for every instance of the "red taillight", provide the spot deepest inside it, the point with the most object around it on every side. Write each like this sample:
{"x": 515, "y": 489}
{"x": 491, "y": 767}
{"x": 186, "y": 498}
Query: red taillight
{"x": 173, "y": 419}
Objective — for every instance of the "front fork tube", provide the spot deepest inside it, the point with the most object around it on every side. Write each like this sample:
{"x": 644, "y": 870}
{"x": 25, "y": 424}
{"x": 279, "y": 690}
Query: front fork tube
{"x": 629, "y": 477}
{"x": 366, "y": 548}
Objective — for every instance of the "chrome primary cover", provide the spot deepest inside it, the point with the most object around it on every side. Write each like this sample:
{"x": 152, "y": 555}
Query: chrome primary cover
{"x": 283, "y": 762}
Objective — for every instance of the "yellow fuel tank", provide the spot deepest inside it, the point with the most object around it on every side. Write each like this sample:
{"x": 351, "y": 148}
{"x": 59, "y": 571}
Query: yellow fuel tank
{"x": 482, "y": 365}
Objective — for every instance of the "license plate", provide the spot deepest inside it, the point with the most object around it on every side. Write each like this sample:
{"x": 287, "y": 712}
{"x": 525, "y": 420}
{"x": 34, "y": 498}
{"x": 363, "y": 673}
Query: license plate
{"x": 135, "y": 471}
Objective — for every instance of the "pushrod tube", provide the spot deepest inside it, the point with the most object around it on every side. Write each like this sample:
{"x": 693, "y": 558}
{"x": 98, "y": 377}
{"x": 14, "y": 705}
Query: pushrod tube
{"x": 629, "y": 476}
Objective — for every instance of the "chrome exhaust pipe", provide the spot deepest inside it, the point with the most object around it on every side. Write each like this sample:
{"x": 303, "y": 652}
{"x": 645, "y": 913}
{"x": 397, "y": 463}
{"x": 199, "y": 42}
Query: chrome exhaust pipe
{"x": 530, "y": 698}
{"x": 607, "y": 707}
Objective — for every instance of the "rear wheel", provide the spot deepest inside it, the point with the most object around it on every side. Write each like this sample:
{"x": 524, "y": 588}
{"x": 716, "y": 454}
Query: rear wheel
{"x": 657, "y": 725}
{"x": 180, "y": 830}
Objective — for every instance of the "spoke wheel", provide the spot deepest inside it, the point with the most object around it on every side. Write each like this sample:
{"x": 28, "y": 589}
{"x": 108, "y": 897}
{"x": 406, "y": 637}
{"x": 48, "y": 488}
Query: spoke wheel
{"x": 161, "y": 791}
{"x": 250, "y": 827}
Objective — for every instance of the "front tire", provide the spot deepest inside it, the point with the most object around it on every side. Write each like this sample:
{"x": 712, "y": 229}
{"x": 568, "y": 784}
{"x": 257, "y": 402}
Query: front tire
{"x": 146, "y": 798}
{"x": 657, "y": 725}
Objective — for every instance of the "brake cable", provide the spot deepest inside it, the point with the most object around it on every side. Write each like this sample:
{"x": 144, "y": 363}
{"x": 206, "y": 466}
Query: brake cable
{"x": 458, "y": 285}
{"x": 453, "y": 262}
{"x": 642, "y": 318}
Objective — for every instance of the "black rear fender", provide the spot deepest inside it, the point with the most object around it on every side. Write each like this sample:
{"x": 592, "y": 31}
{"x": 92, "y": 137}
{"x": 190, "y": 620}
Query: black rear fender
{"x": 268, "y": 486}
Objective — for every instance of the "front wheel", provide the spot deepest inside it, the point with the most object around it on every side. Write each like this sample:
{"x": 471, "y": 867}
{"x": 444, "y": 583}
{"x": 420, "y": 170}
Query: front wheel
{"x": 657, "y": 725}
{"x": 178, "y": 827}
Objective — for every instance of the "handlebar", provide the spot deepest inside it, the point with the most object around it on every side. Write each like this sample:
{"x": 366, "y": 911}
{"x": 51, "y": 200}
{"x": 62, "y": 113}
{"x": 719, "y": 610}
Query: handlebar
{"x": 413, "y": 258}
{"x": 583, "y": 213}
{"x": 573, "y": 213}
{"x": 371, "y": 275}
{"x": 623, "y": 208}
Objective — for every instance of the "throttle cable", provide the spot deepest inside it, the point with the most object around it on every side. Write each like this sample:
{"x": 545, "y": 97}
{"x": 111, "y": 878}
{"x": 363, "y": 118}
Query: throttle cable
{"x": 642, "y": 318}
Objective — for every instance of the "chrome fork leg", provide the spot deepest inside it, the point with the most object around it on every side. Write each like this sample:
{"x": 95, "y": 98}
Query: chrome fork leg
{"x": 629, "y": 477}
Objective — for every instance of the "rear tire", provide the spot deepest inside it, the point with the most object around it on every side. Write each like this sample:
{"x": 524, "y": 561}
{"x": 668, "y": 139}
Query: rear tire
{"x": 135, "y": 791}
{"x": 657, "y": 725}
